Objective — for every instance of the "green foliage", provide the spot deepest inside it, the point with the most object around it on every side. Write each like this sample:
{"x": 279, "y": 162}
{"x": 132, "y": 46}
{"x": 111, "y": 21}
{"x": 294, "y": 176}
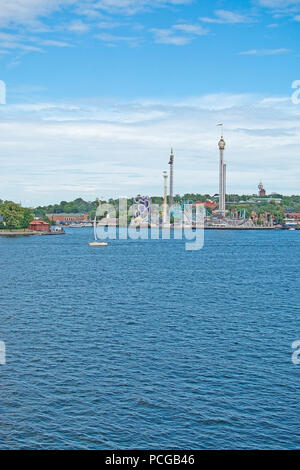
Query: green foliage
{"x": 260, "y": 208}
{"x": 73, "y": 207}
{"x": 195, "y": 197}
{"x": 49, "y": 221}
{"x": 15, "y": 216}
{"x": 157, "y": 200}
{"x": 276, "y": 210}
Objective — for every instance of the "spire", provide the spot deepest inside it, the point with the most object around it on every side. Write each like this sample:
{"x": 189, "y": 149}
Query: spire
{"x": 171, "y": 157}
{"x": 222, "y": 127}
{"x": 222, "y": 176}
{"x": 171, "y": 163}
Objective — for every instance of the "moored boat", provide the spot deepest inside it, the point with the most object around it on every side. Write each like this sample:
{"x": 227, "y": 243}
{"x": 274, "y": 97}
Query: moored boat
{"x": 97, "y": 242}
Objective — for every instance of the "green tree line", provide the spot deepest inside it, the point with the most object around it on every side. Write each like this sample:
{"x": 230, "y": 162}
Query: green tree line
{"x": 15, "y": 216}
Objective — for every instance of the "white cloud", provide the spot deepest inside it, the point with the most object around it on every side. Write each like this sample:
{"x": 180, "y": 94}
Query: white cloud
{"x": 60, "y": 187}
{"x": 178, "y": 34}
{"x": 167, "y": 36}
{"x": 225, "y": 16}
{"x": 29, "y": 12}
{"x": 108, "y": 25}
{"x": 281, "y": 8}
{"x": 263, "y": 52}
{"x": 13, "y": 42}
{"x": 130, "y": 7}
{"x": 78, "y": 26}
{"x": 50, "y": 42}
{"x": 191, "y": 29}
{"x": 112, "y": 39}
{"x": 55, "y": 151}
{"x": 278, "y": 3}
{"x": 35, "y": 16}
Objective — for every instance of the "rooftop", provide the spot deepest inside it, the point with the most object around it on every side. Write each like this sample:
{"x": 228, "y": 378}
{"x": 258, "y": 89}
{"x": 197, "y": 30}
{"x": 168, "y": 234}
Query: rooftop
{"x": 71, "y": 214}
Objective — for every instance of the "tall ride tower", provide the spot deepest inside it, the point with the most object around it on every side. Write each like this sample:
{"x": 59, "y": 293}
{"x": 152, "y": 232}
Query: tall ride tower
{"x": 222, "y": 176}
{"x": 165, "y": 209}
{"x": 171, "y": 163}
{"x": 262, "y": 191}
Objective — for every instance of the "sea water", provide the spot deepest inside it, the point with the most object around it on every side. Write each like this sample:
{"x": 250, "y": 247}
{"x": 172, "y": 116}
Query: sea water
{"x": 144, "y": 345}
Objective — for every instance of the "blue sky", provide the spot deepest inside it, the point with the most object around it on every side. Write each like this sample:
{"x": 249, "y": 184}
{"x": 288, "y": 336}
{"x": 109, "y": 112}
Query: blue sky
{"x": 99, "y": 90}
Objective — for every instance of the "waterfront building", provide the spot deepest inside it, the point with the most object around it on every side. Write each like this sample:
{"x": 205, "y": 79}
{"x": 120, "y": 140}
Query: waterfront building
{"x": 63, "y": 218}
{"x": 211, "y": 205}
{"x": 292, "y": 215}
{"x": 290, "y": 222}
{"x": 39, "y": 226}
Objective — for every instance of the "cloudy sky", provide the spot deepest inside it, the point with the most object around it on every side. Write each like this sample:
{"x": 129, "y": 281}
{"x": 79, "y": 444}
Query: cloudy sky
{"x": 99, "y": 90}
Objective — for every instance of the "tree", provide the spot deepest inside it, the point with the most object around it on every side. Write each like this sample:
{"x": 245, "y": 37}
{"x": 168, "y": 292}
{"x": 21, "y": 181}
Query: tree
{"x": 15, "y": 216}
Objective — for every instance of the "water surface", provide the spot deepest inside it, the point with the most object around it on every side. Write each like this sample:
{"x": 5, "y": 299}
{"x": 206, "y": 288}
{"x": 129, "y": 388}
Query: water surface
{"x": 145, "y": 345}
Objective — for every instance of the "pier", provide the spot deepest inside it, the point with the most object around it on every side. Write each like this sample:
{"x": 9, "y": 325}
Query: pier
{"x": 27, "y": 233}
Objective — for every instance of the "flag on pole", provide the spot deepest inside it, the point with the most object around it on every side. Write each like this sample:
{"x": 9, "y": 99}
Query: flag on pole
{"x": 221, "y": 125}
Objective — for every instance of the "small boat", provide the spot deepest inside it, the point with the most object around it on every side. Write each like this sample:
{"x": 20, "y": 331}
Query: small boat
{"x": 97, "y": 242}
{"x": 75, "y": 225}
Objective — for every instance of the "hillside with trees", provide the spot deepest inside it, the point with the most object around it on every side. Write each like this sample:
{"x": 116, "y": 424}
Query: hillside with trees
{"x": 73, "y": 207}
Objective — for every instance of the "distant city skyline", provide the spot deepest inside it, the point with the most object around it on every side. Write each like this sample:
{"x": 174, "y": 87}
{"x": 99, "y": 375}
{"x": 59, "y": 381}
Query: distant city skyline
{"x": 99, "y": 91}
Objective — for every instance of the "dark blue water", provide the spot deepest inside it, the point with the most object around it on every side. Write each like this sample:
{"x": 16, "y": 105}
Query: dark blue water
{"x": 145, "y": 345}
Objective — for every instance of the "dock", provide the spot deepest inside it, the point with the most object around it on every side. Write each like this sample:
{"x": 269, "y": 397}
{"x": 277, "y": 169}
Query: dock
{"x": 28, "y": 233}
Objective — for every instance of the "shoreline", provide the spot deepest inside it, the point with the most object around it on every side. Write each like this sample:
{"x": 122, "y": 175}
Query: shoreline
{"x": 27, "y": 233}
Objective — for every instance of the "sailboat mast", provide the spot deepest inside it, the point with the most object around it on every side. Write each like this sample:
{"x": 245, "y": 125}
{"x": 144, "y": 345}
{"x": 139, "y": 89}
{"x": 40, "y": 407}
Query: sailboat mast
{"x": 95, "y": 228}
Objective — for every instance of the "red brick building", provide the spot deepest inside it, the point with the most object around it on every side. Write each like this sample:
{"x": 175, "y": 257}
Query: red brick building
{"x": 68, "y": 218}
{"x": 294, "y": 215}
{"x": 207, "y": 203}
{"x": 262, "y": 191}
{"x": 39, "y": 226}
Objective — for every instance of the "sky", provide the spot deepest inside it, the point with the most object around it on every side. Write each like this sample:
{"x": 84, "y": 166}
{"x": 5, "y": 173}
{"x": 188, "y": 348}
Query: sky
{"x": 98, "y": 91}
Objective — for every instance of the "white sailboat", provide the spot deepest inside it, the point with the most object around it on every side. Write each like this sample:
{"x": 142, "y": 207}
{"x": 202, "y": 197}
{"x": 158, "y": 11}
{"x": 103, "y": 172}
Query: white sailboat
{"x": 97, "y": 242}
